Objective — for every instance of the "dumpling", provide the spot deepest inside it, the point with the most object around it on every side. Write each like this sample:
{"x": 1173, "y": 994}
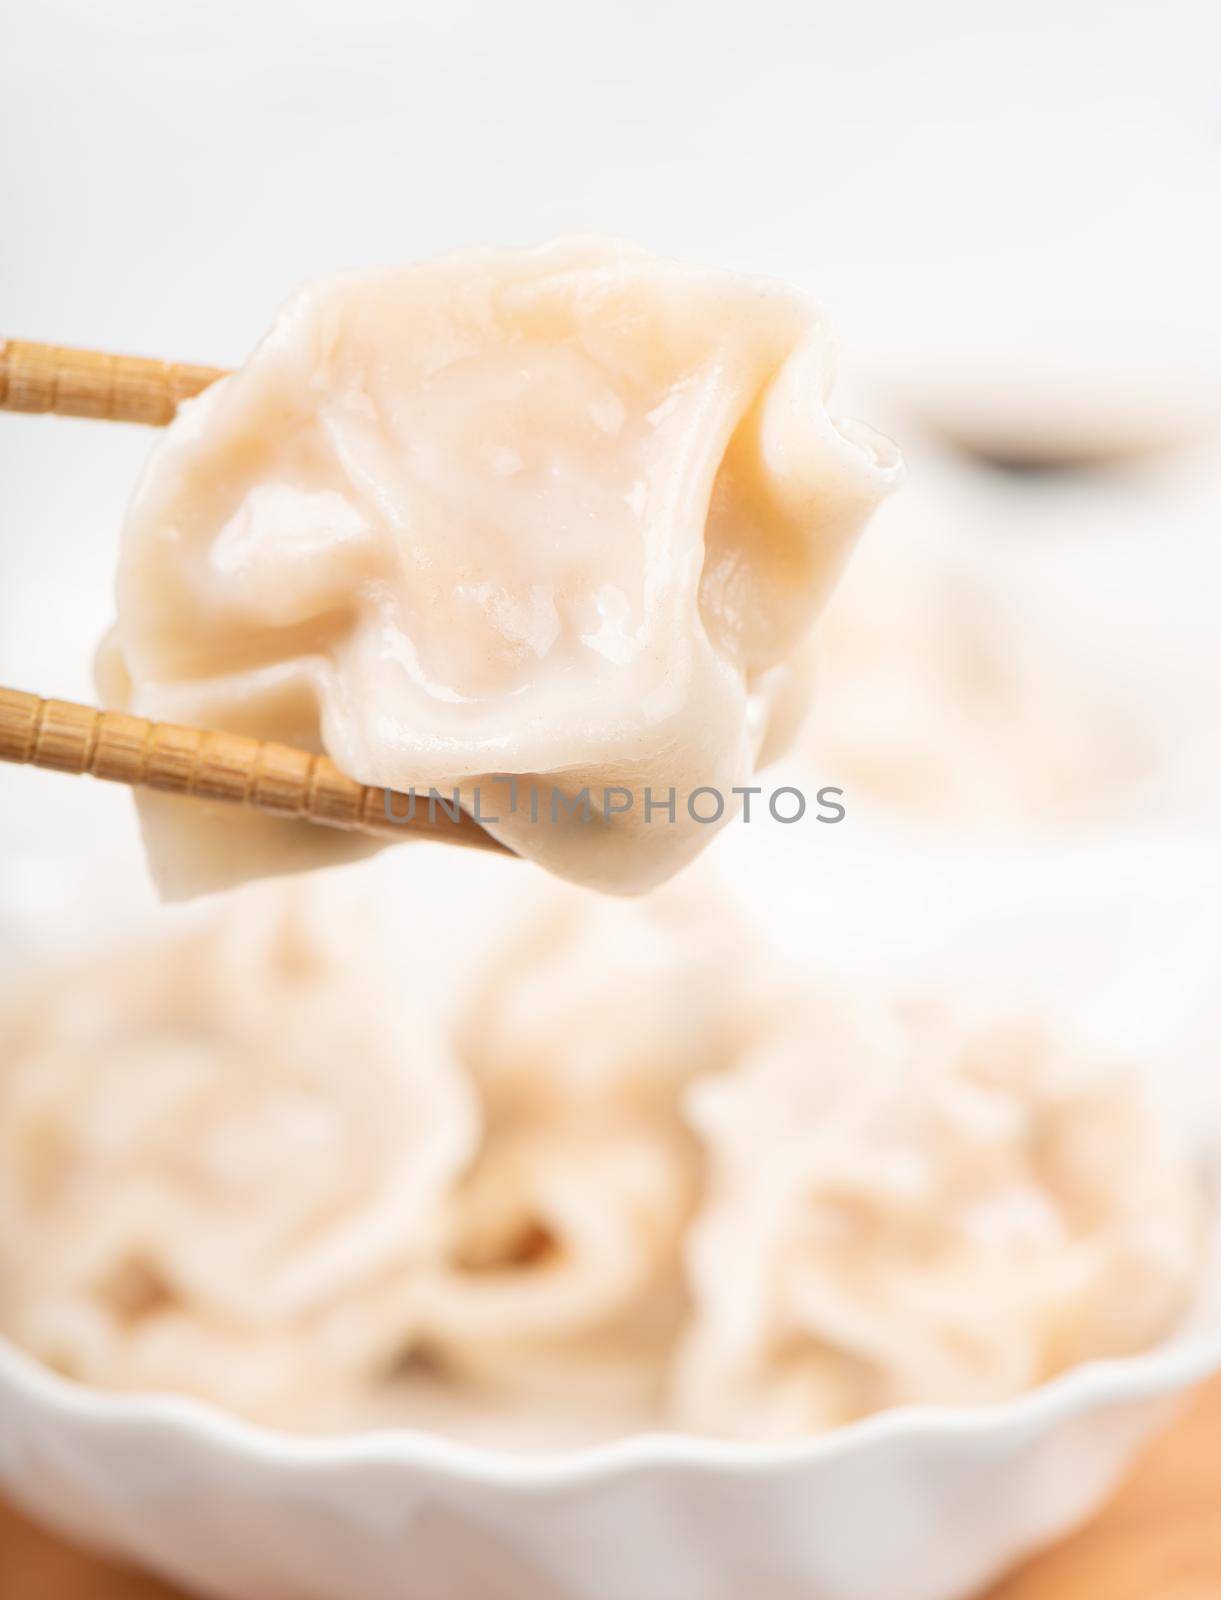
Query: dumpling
{"x": 942, "y": 694}
{"x": 942, "y": 1215}
{"x": 562, "y": 1296}
{"x": 238, "y": 1165}
{"x": 194, "y": 1195}
{"x": 561, "y": 514}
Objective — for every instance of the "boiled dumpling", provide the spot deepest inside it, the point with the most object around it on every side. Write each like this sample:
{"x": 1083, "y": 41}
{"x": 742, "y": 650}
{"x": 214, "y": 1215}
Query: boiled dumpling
{"x": 562, "y": 514}
{"x": 225, "y": 1162}
{"x": 944, "y": 1214}
{"x": 561, "y": 1293}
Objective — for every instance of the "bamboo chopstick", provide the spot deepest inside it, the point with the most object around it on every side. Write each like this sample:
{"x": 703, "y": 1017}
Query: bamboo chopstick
{"x": 218, "y": 766}
{"x": 89, "y": 383}
{"x": 57, "y": 734}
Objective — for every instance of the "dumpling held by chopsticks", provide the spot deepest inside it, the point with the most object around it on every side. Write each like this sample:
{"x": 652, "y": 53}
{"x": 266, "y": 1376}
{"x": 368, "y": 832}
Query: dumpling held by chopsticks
{"x": 558, "y": 516}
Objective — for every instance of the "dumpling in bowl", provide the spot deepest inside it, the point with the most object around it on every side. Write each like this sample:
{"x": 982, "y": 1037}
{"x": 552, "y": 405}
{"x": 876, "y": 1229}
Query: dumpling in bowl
{"x": 561, "y": 515}
{"x": 237, "y": 1163}
{"x": 224, "y": 1163}
{"x": 905, "y": 1210}
{"x": 943, "y": 695}
{"x": 561, "y": 1296}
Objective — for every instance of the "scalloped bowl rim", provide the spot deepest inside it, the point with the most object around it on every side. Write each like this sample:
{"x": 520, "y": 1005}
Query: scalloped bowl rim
{"x": 1166, "y": 1369}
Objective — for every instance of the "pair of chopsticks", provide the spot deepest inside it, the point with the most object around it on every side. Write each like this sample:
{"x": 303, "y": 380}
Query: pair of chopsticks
{"x": 209, "y": 765}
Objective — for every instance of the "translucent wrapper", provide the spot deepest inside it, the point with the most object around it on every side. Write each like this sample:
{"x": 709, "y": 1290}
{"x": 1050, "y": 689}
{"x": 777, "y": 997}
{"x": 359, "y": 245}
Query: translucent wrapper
{"x": 561, "y": 514}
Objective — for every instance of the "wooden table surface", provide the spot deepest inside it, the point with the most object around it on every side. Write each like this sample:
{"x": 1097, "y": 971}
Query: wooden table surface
{"x": 1160, "y": 1539}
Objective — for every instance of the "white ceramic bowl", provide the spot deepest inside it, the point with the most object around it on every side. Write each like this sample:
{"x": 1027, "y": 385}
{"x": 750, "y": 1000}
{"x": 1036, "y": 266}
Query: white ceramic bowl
{"x": 910, "y": 1505}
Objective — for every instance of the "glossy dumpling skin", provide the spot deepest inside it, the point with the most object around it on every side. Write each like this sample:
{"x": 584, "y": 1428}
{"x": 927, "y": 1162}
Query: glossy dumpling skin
{"x": 562, "y": 513}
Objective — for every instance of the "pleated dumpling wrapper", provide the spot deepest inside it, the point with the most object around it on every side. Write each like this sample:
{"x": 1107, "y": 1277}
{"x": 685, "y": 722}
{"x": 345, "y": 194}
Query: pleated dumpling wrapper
{"x": 563, "y": 513}
{"x": 226, "y": 1160}
{"x": 906, "y": 1205}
